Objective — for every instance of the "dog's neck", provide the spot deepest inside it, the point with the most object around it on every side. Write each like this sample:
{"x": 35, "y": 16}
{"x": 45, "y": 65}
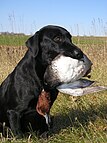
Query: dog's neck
{"x": 35, "y": 64}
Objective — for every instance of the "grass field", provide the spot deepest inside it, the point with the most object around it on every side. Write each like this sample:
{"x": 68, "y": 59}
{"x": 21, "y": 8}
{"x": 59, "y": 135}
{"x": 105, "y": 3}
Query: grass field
{"x": 76, "y": 120}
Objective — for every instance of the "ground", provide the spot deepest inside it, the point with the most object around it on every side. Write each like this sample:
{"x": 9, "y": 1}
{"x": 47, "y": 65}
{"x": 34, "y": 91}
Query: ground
{"x": 76, "y": 120}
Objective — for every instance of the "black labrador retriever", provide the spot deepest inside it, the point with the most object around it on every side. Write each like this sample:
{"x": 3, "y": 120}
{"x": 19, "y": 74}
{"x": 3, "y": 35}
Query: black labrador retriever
{"x": 20, "y": 91}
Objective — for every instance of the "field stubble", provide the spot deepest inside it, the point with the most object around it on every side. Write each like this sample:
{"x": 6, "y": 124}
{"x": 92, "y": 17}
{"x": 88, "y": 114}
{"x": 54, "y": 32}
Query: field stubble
{"x": 76, "y": 120}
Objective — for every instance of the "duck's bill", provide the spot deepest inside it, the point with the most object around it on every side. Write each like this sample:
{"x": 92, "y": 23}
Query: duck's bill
{"x": 80, "y": 87}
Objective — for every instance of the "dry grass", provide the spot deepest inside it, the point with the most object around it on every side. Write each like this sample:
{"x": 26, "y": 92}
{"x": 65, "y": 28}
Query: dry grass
{"x": 9, "y": 57}
{"x": 76, "y": 120}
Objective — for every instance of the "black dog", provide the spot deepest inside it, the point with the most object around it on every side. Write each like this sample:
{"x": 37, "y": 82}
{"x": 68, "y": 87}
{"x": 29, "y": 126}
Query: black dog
{"x": 19, "y": 92}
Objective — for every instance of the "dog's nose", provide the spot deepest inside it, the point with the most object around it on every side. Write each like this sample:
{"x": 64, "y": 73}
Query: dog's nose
{"x": 78, "y": 54}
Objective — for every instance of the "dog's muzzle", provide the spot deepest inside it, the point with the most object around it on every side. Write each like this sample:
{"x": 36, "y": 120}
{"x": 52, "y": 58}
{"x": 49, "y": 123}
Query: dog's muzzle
{"x": 65, "y": 69}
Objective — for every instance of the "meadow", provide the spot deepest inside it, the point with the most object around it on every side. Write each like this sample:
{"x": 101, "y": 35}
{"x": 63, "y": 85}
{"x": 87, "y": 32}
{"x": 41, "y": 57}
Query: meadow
{"x": 76, "y": 120}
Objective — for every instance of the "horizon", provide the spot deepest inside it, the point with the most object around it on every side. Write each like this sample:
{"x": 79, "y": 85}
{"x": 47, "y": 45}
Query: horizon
{"x": 78, "y": 17}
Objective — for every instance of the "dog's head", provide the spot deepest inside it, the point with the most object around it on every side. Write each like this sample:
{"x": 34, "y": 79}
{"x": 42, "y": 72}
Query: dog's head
{"x": 50, "y": 41}
{"x": 46, "y": 46}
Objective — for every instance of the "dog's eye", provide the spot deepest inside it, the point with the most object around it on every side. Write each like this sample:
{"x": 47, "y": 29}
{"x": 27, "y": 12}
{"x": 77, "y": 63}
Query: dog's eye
{"x": 58, "y": 39}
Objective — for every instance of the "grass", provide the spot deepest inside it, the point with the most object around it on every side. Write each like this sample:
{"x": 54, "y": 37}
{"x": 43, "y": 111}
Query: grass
{"x": 76, "y": 120}
{"x": 13, "y": 40}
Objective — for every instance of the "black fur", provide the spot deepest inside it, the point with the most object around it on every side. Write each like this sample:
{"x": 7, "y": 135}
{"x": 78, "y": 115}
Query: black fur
{"x": 19, "y": 92}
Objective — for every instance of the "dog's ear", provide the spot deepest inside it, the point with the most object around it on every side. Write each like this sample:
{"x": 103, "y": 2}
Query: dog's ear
{"x": 33, "y": 44}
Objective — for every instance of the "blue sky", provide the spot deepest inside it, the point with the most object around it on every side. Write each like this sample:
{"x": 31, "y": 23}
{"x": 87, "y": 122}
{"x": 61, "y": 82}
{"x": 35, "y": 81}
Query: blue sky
{"x": 83, "y": 17}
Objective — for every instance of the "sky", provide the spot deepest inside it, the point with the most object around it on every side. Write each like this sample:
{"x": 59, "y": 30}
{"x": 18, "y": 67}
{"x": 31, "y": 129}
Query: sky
{"x": 79, "y": 17}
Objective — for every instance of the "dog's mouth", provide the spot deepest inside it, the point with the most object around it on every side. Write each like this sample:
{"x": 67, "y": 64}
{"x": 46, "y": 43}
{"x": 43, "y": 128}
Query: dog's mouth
{"x": 88, "y": 73}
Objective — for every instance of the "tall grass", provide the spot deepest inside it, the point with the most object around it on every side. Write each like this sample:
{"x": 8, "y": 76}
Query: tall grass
{"x": 76, "y": 120}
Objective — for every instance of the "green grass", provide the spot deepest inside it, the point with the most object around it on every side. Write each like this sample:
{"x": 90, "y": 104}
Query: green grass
{"x": 89, "y": 40}
{"x": 76, "y": 120}
{"x": 13, "y": 40}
